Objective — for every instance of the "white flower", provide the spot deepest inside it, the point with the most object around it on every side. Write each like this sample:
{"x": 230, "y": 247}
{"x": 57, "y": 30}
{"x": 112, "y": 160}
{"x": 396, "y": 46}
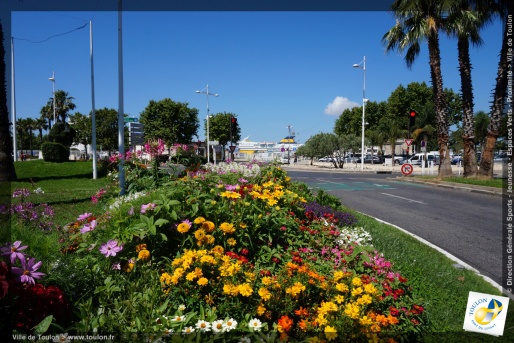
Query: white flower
{"x": 229, "y": 325}
{"x": 188, "y": 330}
{"x": 178, "y": 318}
{"x": 182, "y": 307}
{"x": 245, "y": 339}
{"x": 167, "y": 332}
{"x": 255, "y": 324}
{"x": 217, "y": 325}
{"x": 39, "y": 191}
{"x": 203, "y": 326}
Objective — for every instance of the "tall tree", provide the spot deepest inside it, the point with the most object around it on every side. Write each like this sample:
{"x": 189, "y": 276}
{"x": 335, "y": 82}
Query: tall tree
{"x": 171, "y": 121}
{"x": 83, "y": 131}
{"x": 464, "y": 23}
{"x": 40, "y": 125}
{"x": 417, "y": 21}
{"x": 63, "y": 105}
{"x": 219, "y": 129}
{"x": 30, "y": 126}
{"x": 500, "y": 8}
{"x": 107, "y": 129}
{"x": 7, "y": 172}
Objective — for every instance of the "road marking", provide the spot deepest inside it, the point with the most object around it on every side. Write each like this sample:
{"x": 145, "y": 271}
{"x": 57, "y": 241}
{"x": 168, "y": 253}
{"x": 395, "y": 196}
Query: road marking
{"x": 410, "y": 200}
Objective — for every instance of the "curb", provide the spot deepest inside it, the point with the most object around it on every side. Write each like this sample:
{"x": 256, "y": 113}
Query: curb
{"x": 493, "y": 191}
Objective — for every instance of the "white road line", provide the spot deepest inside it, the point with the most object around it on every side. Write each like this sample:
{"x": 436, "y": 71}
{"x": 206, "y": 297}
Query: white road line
{"x": 410, "y": 200}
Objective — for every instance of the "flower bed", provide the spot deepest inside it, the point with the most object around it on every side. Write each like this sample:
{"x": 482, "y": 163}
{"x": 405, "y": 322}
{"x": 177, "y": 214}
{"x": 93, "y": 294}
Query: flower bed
{"x": 235, "y": 253}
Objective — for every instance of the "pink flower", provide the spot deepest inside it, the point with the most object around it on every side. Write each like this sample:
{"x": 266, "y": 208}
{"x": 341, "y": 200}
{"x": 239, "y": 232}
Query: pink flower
{"x": 27, "y": 272}
{"x": 89, "y": 227}
{"x": 13, "y": 251}
{"x": 111, "y": 248}
{"x": 147, "y": 207}
{"x": 84, "y": 216}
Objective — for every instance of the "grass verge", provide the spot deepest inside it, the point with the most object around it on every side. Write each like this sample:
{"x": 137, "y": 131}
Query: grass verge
{"x": 497, "y": 183}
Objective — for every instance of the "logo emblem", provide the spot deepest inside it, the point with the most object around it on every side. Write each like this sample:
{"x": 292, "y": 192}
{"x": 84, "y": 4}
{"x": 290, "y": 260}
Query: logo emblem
{"x": 486, "y": 313}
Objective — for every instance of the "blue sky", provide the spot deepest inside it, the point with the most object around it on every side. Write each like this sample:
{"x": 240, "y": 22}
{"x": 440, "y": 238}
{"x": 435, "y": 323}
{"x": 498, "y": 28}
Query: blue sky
{"x": 272, "y": 69}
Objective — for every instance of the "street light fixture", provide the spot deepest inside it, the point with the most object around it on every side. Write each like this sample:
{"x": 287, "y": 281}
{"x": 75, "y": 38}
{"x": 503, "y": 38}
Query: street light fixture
{"x": 53, "y": 89}
{"x": 364, "y": 100}
{"x": 206, "y": 92}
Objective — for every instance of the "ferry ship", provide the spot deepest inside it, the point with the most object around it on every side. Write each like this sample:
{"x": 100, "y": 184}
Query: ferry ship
{"x": 266, "y": 151}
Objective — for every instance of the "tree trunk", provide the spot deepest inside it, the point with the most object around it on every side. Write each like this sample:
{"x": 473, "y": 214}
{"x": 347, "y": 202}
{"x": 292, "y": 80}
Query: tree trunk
{"x": 470, "y": 158}
{"x": 445, "y": 167}
{"x": 486, "y": 162}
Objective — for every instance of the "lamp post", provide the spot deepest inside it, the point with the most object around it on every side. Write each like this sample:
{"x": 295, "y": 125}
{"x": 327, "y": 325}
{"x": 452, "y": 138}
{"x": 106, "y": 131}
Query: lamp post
{"x": 206, "y": 92}
{"x": 364, "y": 100}
{"x": 53, "y": 89}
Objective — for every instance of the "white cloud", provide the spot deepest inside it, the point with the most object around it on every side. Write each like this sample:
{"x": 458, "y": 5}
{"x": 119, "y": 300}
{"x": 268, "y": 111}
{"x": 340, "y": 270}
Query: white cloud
{"x": 338, "y": 105}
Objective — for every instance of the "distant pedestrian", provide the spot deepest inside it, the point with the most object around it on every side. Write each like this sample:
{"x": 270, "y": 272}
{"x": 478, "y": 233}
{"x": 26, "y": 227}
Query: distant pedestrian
{"x": 295, "y": 159}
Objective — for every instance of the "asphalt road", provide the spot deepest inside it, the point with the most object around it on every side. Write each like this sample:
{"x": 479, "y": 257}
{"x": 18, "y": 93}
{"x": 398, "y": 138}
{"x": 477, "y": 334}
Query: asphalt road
{"x": 467, "y": 225}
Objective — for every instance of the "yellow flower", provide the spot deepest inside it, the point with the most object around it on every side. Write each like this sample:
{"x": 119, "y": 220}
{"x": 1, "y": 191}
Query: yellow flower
{"x": 165, "y": 278}
{"x": 352, "y": 311}
{"x": 370, "y": 288}
{"x": 231, "y": 241}
{"x": 272, "y": 202}
{"x": 364, "y": 300}
{"x": 356, "y": 281}
{"x": 295, "y": 289}
{"x": 264, "y": 294}
{"x": 140, "y": 247}
{"x": 128, "y": 267}
{"x": 190, "y": 276}
{"x": 357, "y": 291}
{"x": 330, "y": 333}
{"x": 208, "y": 259}
{"x": 245, "y": 289}
{"x": 209, "y": 239}
{"x": 231, "y": 195}
{"x": 261, "y": 309}
{"x": 183, "y": 227}
{"x": 365, "y": 320}
{"x": 242, "y": 225}
{"x": 213, "y": 202}
{"x": 208, "y": 226}
{"x": 199, "y": 234}
{"x": 227, "y": 228}
{"x": 202, "y": 281}
{"x": 231, "y": 289}
{"x": 338, "y": 275}
{"x": 314, "y": 339}
{"x": 143, "y": 255}
{"x": 218, "y": 250}
{"x": 267, "y": 281}
{"x": 339, "y": 299}
{"x": 199, "y": 220}
{"x": 342, "y": 287}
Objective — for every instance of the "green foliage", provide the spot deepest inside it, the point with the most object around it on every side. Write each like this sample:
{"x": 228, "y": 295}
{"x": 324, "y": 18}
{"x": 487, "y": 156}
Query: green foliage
{"x": 55, "y": 152}
{"x": 219, "y": 128}
{"x": 62, "y": 133}
{"x": 173, "y": 122}
{"x": 107, "y": 129}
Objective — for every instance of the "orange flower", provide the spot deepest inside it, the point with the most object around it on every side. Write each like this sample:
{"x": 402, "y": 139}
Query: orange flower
{"x": 303, "y": 324}
{"x": 140, "y": 247}
{"x": 302, "y": 312}
{"x": 144, "y": 255}
{"x": 285, "y": 323}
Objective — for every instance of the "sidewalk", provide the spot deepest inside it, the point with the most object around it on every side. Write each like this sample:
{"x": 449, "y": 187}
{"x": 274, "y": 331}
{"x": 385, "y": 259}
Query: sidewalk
{"x": 396, "y": 174}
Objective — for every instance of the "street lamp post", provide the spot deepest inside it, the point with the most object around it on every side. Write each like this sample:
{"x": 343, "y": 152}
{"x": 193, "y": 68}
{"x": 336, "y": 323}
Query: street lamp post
{"x": 53, "y": 89}
{"x": 364, "y": 100}
{"x": 206, "y": 92}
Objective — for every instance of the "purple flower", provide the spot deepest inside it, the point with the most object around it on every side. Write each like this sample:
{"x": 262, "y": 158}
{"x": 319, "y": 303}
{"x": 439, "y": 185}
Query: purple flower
{"x": 116, "y": 266}
{"x": 131, "y": 211}
{"x": 27, "y": 272}
{"x": 84, "y": 216}
{"x": 243, "y": 180}
{"x": 13, "y": 251}
{"x": 231, "y": 188}
{"x": 89, "y": 227}
{"x": 20, "y": 192}
{"x": 111, "y": 248}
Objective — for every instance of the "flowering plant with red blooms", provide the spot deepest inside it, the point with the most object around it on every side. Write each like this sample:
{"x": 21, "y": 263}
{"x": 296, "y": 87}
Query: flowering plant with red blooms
{"x": 34, "y": 303}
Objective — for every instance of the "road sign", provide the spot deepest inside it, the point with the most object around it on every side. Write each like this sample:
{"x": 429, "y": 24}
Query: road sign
{"x": 408, "y": 141}
{"x": 232, "y": 148}
{"x": 407, "y": 169}
{"x": 130, "y": 119}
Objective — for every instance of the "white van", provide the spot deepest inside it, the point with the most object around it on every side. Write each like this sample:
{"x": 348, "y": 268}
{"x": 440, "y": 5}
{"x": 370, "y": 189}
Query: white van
{"x": 418, "y": 159}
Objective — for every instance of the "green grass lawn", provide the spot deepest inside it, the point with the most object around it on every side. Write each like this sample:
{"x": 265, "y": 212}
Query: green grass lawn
{"x": 442, "y": 288}
{"x": 496, "y": 182}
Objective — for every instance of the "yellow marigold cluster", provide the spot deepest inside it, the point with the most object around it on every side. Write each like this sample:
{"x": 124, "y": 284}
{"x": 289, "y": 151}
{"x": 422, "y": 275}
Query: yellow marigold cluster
{"x": 227, "y": 228}
{"x": 323, "y": 310}
{"x": 296, "y": 289}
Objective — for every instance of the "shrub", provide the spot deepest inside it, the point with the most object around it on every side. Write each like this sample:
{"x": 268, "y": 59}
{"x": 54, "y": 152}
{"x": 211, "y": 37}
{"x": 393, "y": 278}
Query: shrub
{"x": 55, "y": 152}
{"x": 62, "y": 133}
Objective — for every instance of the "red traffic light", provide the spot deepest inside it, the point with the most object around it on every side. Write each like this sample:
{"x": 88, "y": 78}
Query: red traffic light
{"x": 233, "y": 120}
{"x": 412, "y": 113}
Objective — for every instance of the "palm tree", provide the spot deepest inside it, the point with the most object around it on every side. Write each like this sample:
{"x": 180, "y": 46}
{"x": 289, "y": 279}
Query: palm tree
{"x": 500, "y": 8}
{"x": 47, "y": 114}
{"x": 30, "y": 126}
{"x": 63, "y": 104}
{"x": 40, "y": 125}
{"x": 465, "y": 23}
{"x": 7, "y": 172}
{"x": 21, "y": 128}
{"x": 418, "y": 20}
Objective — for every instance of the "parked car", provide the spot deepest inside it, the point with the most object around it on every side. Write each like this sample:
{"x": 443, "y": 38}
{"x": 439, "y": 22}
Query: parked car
{"x": 326, "y": 159}
{"x": 502, "y": 157}
{"x": 417, "y": 159}
{"x": 368, "y": 159}
{"x": 397, "y": 158}
{"x": 284, "y": 160}
{"x": 456, "y": 159}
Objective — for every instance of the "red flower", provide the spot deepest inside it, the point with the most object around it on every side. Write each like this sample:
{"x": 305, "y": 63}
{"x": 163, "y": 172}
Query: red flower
{"x": 394, "y": 311}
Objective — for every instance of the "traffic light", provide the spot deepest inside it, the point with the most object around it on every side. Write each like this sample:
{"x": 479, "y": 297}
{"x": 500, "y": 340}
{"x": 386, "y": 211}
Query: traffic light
{"x": 233, "y": 124}
{"x": 412, "y": 118}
